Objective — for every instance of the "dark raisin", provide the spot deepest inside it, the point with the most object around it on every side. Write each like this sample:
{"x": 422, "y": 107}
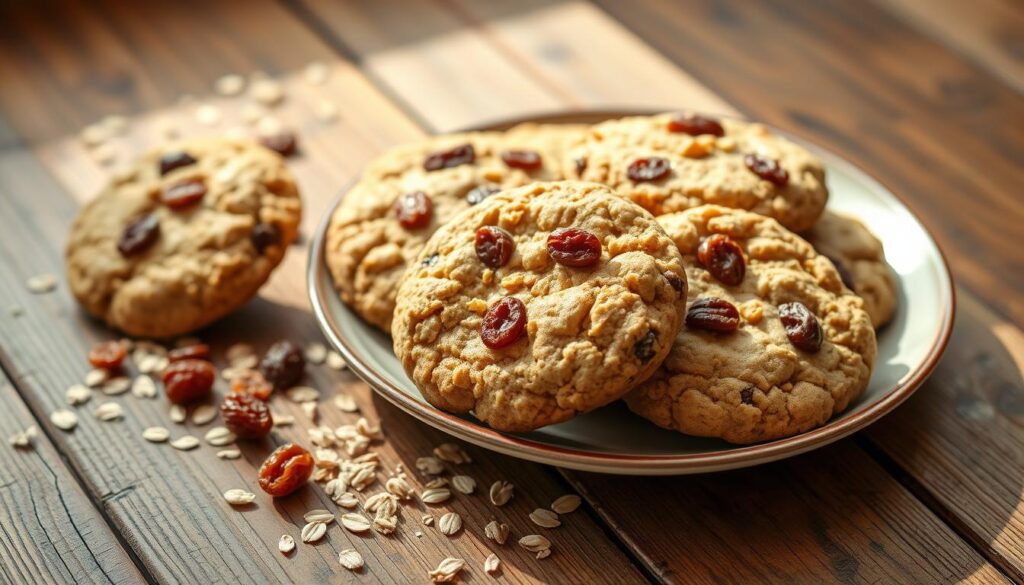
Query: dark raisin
{"x": 767, "y": 168}
{"x": 188, "y": 380}
{"x": 246, "y": 415}
{"x": 713, "y": 314}
{"x": 645, "y": 349}
{"x": 286, "y": 470}
{"x": 283, "y": 365}
{"x": 844, "y": 274}
{"x": 802, "y": 327}
{"x": 430, "y": 260}
{"x": 183, "y": 193}
{"x": 676, "y": 283}
{"x": 139, "y": 235}
{"x": 199, "y": 351}
{"x": 175, "y": 160}
{"x": 478, "y": 194}
{"x": 414, "y": 210}
{"x": 747, "y": 395}
{"x": 574, "y": 247}
{"x": 108, "y": 355}
{"x": 527, "y": 160}
{"x": 453, "y": 157}
{"x": 649, "y": 169}
{"x": 695, "y": 124}
{"x": 264, "y": 235}
{"x": 283, "y": 143}
{"x": 581, "y": 165}
{"x": 494, "y": 246}
{"x": 503, "y": 323}
{"x": 723, "y": 258}
{"x": 252, "y": 382}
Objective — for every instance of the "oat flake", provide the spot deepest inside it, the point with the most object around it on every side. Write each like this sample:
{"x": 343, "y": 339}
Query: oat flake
{"x": 185, "y": 443}
{"x": 77, "y": 394}
{"x": 204, "y": 414}
{"x": 566, "y": 504}
{"x": 355, "y": 522}
{"x": 350, "y": 559}
{"x": 156, "y": 434}
{"x": 237, "y": 497}
{"x": 447, "y": 570}
{"x": 491, "y": 563}
{"x": 286, "y": 544}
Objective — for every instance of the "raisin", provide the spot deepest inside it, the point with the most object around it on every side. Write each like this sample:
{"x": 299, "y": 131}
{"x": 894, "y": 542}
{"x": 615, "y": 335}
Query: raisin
{"x": 478, "y": 194}
{"x": 264, "y": 235}
{"x": 653, "y": 168}
{"x": 199, "y": 351}
{"x": 503, "y": 323}
{"x": 676, "y": 283}
{"x": 139, "y": 235}
{"x": 802, "y": 327}
{"x": 430, "y": 260}
{"x": 284, "y": 143}
{"x": 183, "y": 193}
{"x": 527, "y": 160}
{"x": 175, "y": 160}
{"x": 246, "y": 415}
{"x": 453, "y": 157}
{"x": 414, "y": 210}
{"x": 252, "y": 382}
{"x": 283, "y": 365}
{"x": 695, "y": 125}
{"x": 767, "y": 168}
{"x": 844, "y": 274}
{"x": 107, "y": 355}
{"x": 723, "y": 258}
{"x": 574, "y": 247}
{"x": 713, "y": 314}
{"x": 644, "y": 349}
{"x": 188, "y": 380}
{"x": 494, "y": 246}
{"x": 747, "y": 395}
{"x": 581, "y": 165}
{"x": 285, "y": 470}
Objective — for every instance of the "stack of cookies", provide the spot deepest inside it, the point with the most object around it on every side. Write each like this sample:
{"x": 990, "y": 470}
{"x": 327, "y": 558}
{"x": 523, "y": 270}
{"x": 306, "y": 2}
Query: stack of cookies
{"x": 682, "y": 263}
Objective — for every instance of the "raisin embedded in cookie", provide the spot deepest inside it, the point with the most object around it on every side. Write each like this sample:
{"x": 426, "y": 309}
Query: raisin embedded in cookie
{"x": 406, "y": 194}
{"x": 860, "y": 260}
{"x": 184, "y": 236}
{"x": 672, "y": 162}
{"x": 772, "y": 354}
{"x": 543, "y": 302}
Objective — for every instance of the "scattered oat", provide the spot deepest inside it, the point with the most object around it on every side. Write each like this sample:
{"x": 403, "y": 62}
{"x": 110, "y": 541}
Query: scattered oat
{"x": 464, "y": 484}
{"x": 418, "y": 533}
{"x": 316, "y": 73}
{"x": 436, "y": 483}
{"x": 447, "y": 570}
{"x": 399, "y": 487}
{"x": 151, "y": 363}
{"x": 545, "y": 518}
{"x": 313, "y": 531}
{"x": 430, "y": 465}
{"x": 450, "y": 523}
{"x": 286, "y": 544}
{"x": 252, "y": 112}
{"x": 282, "y": 419}
{"x": 350, "y": 559}
{"x": 345, "y": 403}
{"x": 355, "y": 522}
{"x": 385, "y": 523}
{"x": 185, "y": 443}
{"x": 566, "y": 504}
{"x": 237, "y": 497}
{"x": 491, "y": 563}
{"x": 316, "y": 353}
{"x": 452, "y": 453}
{"x": 95, "y": 377}
{"x": 156, "y": 434}
{"x": 435, "y": 495}
{"x": 229, "y": 85}
{"x": 266, "y": 91}
{"x": 544, "y": 553}
{"x": 535, "y": 543}
{"x": 229, "y": 454}
{"x": 41, "y": 283}
{"x": 326, "y": 111}
{"x": 302, "y": 394}
{"x": 116, "y": 386}
{"x": 208, "y": 115}
{"x": 309, "y": 409}
{"x": 220, "y": 436}
{"x": 501, "y": 492}
{"x": 319, "y": 515}
{"x": 376, "y": 500}
{"x": 239, "y": 351}
{"x": 143, "y": 387}
{"x": 498, "y": 532}
{"x": 23, "y": 440}
{"x": 427, "y": 520}
{"x": 347, "y": 500}
{"x": 204, "y": 414}
{"x": 368, "y": 429}
{"x": 178, "y": 413}
{"x": 269, "y": 126}
{"x": 335, "y": 361}
{"x": 109, "y": 411}
{"x": 77, "y": 394}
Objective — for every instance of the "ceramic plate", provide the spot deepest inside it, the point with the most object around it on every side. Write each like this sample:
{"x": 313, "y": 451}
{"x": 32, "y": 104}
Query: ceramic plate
{"x": 612, "y": 439}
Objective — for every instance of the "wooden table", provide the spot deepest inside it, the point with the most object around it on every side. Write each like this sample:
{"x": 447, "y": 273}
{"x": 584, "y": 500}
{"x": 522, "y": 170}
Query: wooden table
{"x": 925, "y": 95}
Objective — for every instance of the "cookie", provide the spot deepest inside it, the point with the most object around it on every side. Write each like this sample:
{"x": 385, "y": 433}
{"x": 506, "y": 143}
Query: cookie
{"x": 795, "y": 348}
{"x": 510, "y": 316}
{"x": 369, "y": 246}
{"x": 859, "y": 257}
{"x": 185, "y": 235}
{"x": 658, "y": 164}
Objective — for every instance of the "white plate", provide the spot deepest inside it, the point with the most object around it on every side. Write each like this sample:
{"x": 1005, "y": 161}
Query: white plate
{"x": 612, "y": 439}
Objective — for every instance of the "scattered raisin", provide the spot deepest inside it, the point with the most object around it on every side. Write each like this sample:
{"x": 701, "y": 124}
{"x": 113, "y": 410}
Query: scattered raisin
{"x": 695, "y": 125}
{"x": 285, "y": 470}
{"x": 747, "y": 395}
{"x": 284, "y": 143}
{"x": 767, "y": 168}
{"x": 723, "y": 258}
{"x": 139, "y": 235}
{"x": 430, "y": 260}
{"x": 713, "y": 314}
{"x": 676, "y": 283}
{"x": 494, "y": 246}
{"x": 653, "y": 168}
{"x": 183, "y": 193}
{"x": 802, "y": 327}
{"x": 246, "y": 415}
{"x": 252, "y": 382}
{"x": 503, "y": 323}
{"x": 175, "y": 160}
{"x": 264, "y": 235}
{"x": 453, "y": 157}
{"x": 644, "y": 349}
{"x": 199, "y": 351}
{"x": 283, "y": 365}
{"x": 414, "y": 210}
{"x": 527, "y": 160}
{"x": 478, "y": 194}
{"x": 188, "y": 380}
{"x": 581, "y": 165}
{"x": 574, "y": 247}
{"x": 107, "y": 355}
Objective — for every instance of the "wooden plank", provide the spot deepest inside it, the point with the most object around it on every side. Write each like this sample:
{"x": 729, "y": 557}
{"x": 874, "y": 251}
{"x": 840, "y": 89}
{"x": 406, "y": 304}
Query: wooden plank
{"x": 987, "y": 31}
{"x": 167, "y": 503}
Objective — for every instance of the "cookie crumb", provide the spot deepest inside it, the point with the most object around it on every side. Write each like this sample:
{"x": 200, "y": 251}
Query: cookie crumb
{"x": 41, "y": 283}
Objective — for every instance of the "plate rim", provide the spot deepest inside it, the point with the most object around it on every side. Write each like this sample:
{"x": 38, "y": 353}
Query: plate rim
{"x": 524, "y": 448}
